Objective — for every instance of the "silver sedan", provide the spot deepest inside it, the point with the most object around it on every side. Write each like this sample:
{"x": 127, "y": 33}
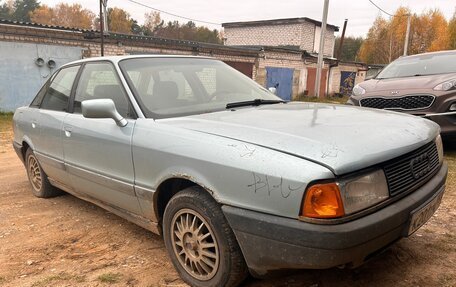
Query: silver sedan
{"x": 234, "y": 178}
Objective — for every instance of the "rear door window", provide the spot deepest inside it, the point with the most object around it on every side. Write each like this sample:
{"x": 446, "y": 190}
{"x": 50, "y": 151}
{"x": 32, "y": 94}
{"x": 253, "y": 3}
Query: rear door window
{"x": 57, "y": 95}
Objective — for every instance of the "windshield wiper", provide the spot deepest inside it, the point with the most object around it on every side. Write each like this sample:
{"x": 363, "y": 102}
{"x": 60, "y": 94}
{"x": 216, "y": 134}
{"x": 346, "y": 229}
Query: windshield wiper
{"x": 255, "y": 102}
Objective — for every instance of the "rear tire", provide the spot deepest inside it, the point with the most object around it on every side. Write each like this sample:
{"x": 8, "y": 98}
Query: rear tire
{"x": 41, "y": 187}
{"x": 200, "y": 242}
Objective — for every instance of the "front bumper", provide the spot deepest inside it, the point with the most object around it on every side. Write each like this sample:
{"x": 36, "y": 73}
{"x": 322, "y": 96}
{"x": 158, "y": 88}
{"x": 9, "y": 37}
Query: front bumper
{"x": 443, "y": 101}
{"x": 270, "y": 242}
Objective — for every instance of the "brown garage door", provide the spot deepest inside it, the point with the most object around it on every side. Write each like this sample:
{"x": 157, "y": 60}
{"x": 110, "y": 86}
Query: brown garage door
{"x": 245, "y": 68}
{"x": 311, "y": 75}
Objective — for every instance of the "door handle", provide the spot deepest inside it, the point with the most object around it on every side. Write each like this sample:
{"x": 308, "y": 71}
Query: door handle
{"x": 67, "y": 131}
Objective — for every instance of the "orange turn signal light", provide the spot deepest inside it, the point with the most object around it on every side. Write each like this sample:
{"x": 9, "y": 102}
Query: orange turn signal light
{"x": 323, "y": 201}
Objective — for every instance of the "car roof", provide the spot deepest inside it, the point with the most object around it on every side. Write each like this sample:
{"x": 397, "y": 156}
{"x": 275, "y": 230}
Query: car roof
{"x": 116, "y": 59}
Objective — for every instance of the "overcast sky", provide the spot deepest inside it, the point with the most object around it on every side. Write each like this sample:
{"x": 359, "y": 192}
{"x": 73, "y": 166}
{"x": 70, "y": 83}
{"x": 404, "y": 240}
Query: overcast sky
{"x": 360, "y": 13}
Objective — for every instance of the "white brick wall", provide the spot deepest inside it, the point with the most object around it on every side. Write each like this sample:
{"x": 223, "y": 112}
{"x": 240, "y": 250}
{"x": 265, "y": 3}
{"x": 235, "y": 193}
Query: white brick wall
{"x": 334, "y": 79}
{"x": 301, "y": 35}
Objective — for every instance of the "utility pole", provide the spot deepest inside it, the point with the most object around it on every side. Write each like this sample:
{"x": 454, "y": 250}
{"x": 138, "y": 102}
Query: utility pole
{"x": 321, "y": 50}
{"x": 103, "y": 4}
{"x": 407, "y": 35}
{"x": 101, "y": 28}
{"x": 342, "y": 38}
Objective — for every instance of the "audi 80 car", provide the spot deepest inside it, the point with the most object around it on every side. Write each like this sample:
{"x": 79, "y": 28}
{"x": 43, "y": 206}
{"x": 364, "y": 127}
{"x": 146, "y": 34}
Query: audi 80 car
{"x": 421, "y": 85}
{"x": 235, "y": 179}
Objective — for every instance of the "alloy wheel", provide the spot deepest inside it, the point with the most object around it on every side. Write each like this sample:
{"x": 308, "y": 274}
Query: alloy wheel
{"x": 195, "y": 244}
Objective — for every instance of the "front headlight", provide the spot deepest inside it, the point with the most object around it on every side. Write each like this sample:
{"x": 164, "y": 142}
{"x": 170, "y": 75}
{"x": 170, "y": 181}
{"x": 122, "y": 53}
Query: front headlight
{"x": 364, "y": 191}
{"x": 337, "y": 199}
{"x": 446, "y": 86}
{"x": 439, "y": 145}
{"x": 358, "y": 90}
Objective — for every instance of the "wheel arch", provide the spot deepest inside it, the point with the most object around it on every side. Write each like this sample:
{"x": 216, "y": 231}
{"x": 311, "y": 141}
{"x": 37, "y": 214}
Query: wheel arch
{"x": 26, "y": 143}
{"x": 169, "y": 187}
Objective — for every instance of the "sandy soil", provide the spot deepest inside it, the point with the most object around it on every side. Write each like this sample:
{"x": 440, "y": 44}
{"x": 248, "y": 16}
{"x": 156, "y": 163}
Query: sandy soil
{"x": 65, "y": 241}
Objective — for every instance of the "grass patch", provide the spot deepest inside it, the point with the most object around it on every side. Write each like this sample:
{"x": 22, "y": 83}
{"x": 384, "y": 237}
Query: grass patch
{"x": 63, "y": 276}
{"x": 329, "y": 99}
{"x": 6, "y": 120}
{"x": 6, "y": 130}
{"x": 109, "y": 277}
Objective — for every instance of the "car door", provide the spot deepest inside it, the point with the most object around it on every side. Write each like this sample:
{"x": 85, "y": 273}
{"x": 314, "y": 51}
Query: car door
{"x": 28, "y": 120}
{"x": 52, "y": 111}
{"x": 98, "y": 152}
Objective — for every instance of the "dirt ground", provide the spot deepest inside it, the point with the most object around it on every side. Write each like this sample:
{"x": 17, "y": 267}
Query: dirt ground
{"x": 65, "y": 241}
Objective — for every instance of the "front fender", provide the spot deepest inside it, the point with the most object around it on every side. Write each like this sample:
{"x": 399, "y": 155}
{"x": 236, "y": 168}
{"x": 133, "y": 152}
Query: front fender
{"x": 235, "y": 173}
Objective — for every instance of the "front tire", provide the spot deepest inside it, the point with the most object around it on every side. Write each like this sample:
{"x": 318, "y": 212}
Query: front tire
{"x": 41, "y": 187}
{"x": 200, "y": 242}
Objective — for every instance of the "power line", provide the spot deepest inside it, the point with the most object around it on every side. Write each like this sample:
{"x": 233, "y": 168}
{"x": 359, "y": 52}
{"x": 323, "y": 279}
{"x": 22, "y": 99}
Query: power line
{"x": 379, "y": 8}
{"x": 172, "y": 14}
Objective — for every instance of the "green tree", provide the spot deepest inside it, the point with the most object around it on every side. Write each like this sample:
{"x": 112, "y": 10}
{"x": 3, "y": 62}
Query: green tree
{"x": 23, "y": 8}
{"x": 350, "y": 48}
{"x": 7, "y": 9}
{"x": 187, "y": 31}
{"x": 5, "y": 12}
{"x": 136, "y": 28}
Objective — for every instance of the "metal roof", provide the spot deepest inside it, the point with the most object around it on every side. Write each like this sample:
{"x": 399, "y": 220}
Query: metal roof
{"x": 276, "y": 22}
{"x": 94, "y": 34}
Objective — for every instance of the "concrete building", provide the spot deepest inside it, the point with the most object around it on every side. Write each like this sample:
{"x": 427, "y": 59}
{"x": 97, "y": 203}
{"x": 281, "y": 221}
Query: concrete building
{"x": 295, "y": 42}
{"x": 302, "y": 33}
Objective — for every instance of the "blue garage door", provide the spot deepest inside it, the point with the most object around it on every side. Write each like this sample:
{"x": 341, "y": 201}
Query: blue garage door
{"x": 347, "y": 82}
{"x": 281, "y": 79}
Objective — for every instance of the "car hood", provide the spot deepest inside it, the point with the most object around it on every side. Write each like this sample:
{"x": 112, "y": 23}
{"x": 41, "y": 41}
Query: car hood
{"x": 406, "y": 83}
{"x": 342, "y": 138}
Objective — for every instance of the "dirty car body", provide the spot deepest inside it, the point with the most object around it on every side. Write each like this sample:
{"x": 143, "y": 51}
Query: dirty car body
{"x": 421, "y": 85}
{"x": 301, "y": 185}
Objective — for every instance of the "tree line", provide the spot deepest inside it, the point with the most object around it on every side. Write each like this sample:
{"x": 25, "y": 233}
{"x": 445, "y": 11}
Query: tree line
{"x": 384, "y": 42}
{"x": 119, "y": 20}
{"x": 429, "y": 31}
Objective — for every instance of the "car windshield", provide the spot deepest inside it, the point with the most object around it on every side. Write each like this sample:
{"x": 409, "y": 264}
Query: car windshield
{"x": 170, "y": 87}
{"x": 422, "y": 65}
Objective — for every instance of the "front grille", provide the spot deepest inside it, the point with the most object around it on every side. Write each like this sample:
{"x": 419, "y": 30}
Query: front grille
{"x": 405, "y": 103}
{"x": 410, "y": 171}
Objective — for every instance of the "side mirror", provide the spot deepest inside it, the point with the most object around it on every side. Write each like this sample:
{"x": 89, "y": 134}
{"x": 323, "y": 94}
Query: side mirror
{"x": 102, "y": 109}
{"x": 273, "y": 90}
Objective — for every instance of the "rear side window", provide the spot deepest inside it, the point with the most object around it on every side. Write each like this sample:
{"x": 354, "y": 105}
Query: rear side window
{"x": 39, "y": 97}
{"x": 100, "y": 81}
{"x": 57, "y": 95}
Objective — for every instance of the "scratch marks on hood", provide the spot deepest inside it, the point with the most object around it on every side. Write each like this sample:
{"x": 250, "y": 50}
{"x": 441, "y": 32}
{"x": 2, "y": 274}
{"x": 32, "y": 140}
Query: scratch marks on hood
{"x": 248, "y": 151}
{"x": 330, "y": 150}
{"x": 244, "y": 149}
